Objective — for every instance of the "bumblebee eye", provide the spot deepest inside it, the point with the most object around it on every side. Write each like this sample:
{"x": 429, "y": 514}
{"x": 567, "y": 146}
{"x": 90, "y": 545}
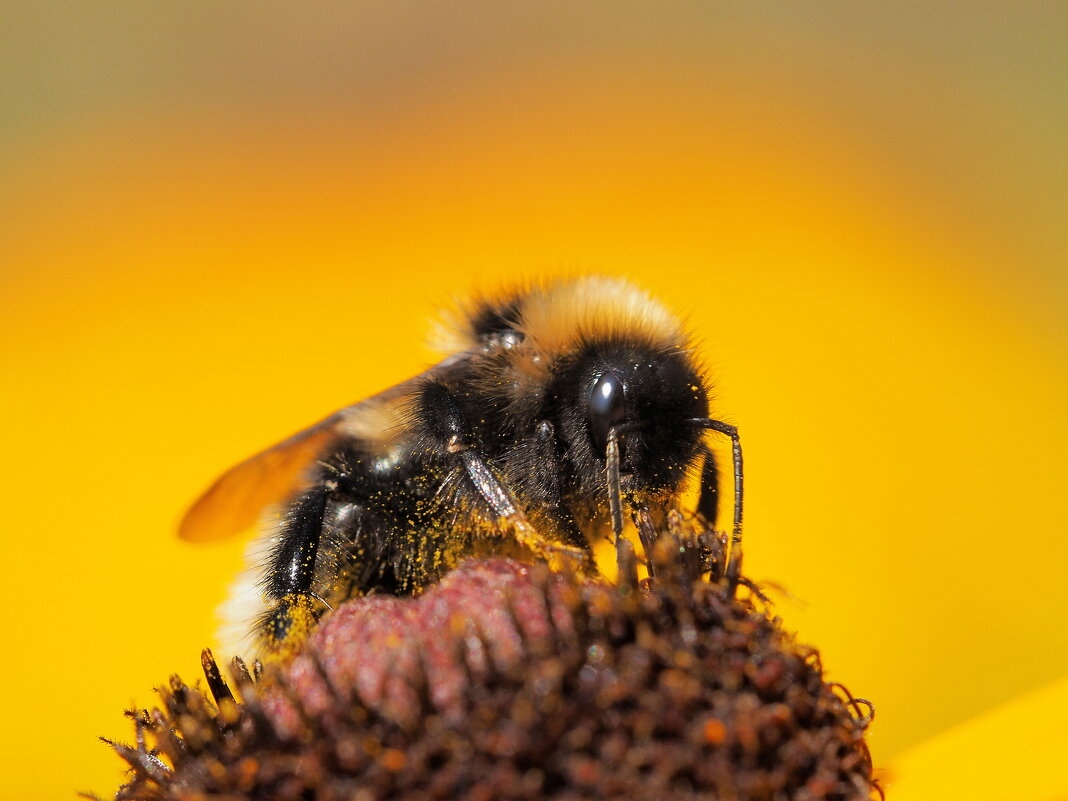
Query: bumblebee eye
{"x": 606, "y": 409}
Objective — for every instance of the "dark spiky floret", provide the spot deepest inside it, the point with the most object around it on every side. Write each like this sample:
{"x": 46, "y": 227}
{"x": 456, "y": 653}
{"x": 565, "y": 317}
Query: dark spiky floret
{"x": 506, "y": 681}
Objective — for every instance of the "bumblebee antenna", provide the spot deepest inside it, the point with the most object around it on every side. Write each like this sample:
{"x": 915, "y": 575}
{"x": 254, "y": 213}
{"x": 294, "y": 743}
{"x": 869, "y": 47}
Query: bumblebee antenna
{"x": 615, "y": 491}
{"x": 734, "y": 557}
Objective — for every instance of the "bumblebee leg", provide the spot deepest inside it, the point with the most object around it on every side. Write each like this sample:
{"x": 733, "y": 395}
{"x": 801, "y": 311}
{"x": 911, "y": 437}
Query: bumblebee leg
{"x": 290, "y": 578}
{"x": 504, "y": 505}
{"x": 445, "y": 422}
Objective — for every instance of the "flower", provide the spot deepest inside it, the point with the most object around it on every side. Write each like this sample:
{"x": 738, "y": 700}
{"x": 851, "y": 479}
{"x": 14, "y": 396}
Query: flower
{"x": 509, "y": 681}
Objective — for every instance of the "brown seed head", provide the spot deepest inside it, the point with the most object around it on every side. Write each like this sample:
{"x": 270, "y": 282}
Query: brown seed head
{"x": 508, "y": 681}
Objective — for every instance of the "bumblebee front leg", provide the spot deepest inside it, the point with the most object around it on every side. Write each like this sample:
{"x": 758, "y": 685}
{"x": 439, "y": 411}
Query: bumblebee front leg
{"x": 504, "y": 506}
{"x": 444, "y": 421}
{"x": 293, "y": 606}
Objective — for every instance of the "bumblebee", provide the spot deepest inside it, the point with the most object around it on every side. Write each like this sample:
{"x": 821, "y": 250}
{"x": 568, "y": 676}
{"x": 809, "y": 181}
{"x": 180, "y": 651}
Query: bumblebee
{"x": 564, "y": 407}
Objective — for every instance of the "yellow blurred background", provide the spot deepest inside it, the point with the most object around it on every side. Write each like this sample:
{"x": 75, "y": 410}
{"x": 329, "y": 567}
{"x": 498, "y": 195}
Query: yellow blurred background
{"x": 219, "y": 222}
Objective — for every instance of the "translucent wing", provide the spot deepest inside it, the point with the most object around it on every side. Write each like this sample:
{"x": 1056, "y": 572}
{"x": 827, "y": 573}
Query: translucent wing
{"x": 237, "y": 498}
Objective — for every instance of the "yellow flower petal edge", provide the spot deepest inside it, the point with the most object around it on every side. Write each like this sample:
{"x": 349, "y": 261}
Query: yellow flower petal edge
{"x": 1017, "y": 751}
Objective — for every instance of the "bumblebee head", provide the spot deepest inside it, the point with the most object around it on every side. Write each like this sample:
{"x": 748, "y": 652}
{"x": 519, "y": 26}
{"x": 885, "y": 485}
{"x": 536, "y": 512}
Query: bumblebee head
{"x": 611, "y": 369}
{"x": 639, "y": 397}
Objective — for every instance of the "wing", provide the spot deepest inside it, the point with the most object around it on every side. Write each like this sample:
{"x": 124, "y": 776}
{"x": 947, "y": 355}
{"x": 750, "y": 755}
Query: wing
{"x": 238, "y": 497}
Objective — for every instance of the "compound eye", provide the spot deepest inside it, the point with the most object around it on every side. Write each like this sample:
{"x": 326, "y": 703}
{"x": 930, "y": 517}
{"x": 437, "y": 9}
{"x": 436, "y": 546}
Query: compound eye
{"x": 606, "y": 409}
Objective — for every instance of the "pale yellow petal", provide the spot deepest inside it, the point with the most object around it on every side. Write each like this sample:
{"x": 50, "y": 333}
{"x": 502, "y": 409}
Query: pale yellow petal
{"x": 1015, "y": 752}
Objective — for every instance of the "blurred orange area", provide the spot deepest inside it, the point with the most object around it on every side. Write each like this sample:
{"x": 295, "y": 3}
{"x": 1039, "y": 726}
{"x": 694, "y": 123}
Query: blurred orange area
{"x": 191, "y": 269}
